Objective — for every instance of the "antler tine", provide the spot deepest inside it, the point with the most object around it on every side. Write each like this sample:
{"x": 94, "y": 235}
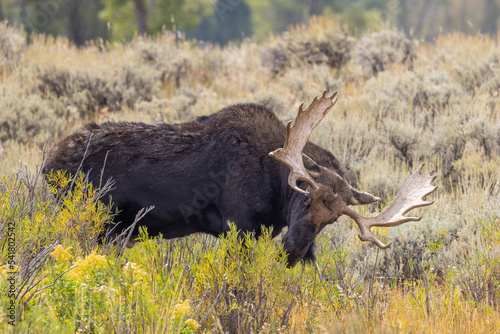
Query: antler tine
{"x": 297, "y": 135}
{"x": 409, "y": 197}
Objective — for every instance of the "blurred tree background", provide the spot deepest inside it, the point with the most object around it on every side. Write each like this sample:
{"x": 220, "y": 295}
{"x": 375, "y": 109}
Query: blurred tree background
{"x": 221, "y": 21}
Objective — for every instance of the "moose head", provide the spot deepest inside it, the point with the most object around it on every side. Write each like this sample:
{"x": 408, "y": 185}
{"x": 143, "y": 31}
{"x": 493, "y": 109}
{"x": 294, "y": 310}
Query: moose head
{"x": 328, "y": 195}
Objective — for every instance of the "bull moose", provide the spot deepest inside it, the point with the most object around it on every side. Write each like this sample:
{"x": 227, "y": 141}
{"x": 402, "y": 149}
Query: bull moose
{"x": 230, "y": 167}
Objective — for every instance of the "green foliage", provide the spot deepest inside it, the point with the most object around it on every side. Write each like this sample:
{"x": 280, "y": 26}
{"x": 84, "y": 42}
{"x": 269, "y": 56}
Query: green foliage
{"x": 239, "y": 283}
{"x": 39, "y": 224}
{"x": 162, "y": 14}
{"x": 358, "y": 18}
{"x": 230, "y": 20}
{"x": 120, "y": 15}
{"x": 267, "y": 16}
{"x": 72, "y": 18}
{"x": 223, "y": 20}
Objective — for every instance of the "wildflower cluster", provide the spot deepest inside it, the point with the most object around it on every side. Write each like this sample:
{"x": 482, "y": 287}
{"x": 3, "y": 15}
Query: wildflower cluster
{"x": 181, "y": 318}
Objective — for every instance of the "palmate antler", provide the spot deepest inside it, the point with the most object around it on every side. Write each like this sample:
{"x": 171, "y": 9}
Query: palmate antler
{"x": 297, "y": 136}
{"x": 409, "y": 197}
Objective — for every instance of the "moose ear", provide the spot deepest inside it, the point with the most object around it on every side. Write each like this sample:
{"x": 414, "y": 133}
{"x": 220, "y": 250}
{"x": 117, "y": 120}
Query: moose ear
{"x": 312, "y": 167}
{"x": 360, "y": 197}
{"x": 357, "y": 198}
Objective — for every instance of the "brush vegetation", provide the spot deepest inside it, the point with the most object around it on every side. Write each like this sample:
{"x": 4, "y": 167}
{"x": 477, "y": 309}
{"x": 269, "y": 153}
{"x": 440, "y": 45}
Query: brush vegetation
{"x": 401, "y": 103}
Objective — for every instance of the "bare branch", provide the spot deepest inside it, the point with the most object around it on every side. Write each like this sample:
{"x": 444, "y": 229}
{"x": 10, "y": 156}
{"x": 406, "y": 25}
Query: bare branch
{"x": 138, "y": 216}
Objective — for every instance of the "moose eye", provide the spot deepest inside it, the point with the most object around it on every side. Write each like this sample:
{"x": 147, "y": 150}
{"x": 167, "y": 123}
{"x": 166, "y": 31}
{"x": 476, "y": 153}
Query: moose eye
{"x": 330, "y": 197}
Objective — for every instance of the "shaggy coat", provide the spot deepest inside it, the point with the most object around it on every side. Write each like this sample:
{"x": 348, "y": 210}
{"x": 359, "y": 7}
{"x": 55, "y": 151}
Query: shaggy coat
{"x": 199, "y": 175}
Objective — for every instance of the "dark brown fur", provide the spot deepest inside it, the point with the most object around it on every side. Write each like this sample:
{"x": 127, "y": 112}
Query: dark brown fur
{"x": 198, "y": 174}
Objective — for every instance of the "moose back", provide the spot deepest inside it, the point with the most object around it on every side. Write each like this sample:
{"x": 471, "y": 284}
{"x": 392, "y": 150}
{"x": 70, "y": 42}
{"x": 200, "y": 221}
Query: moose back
{"x": 226, "y": 167}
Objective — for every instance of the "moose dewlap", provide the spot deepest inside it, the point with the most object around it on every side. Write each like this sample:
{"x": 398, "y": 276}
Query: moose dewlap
{"x": 241, "y": 165}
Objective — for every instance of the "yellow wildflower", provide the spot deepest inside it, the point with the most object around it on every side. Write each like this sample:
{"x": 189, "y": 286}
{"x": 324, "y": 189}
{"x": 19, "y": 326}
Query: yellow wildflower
{"x": 134, "y": 270}
{"x": 183, "y": 309}
{"x": 137, "y": 274}
{"x": 85, "y": 268}
{"x": 60, "y": 254}
{"x": 192, "y": 324}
